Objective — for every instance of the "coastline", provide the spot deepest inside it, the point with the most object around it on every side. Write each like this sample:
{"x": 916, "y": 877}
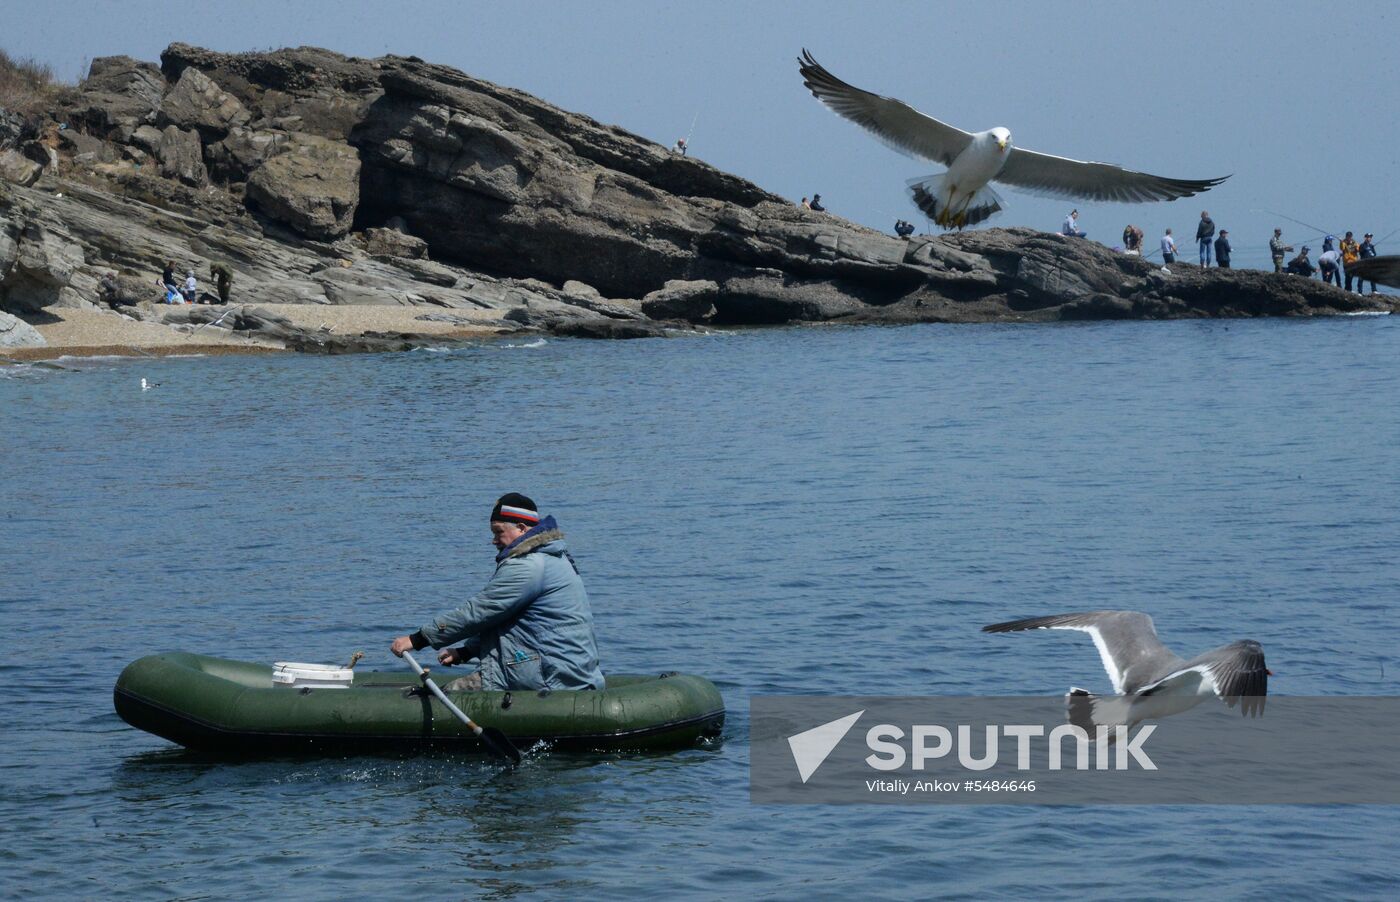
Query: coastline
{"x": 96, "y": 333}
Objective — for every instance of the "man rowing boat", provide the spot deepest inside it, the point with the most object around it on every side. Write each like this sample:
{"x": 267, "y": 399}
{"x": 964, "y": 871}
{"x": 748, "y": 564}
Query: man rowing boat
{"x": 531, "y": 626}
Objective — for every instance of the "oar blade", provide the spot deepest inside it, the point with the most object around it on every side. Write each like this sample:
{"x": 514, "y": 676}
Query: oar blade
{"x": 498, "y": 744}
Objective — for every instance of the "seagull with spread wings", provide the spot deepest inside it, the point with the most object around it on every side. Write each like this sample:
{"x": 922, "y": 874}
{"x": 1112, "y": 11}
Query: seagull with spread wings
{"x": 961, "y": 196}
{"x": 1152, "y": 681}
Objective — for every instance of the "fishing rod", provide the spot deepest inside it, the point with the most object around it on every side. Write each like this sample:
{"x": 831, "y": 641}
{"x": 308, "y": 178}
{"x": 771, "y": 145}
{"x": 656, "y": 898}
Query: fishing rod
{"x": 1300, "y": 222}
{"x": 692, "y": 127}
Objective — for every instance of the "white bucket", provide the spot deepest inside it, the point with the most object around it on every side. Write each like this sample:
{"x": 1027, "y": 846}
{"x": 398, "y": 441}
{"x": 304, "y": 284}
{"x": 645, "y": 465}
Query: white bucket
{"x": 321, "y": 676}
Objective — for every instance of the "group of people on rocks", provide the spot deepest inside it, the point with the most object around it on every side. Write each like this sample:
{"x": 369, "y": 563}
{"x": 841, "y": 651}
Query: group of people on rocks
{"x": 1212, "y": 246}
{"x": 187, "y": 291}
{"x": 814, "y": 204}
{"x": 1335, "y": 260}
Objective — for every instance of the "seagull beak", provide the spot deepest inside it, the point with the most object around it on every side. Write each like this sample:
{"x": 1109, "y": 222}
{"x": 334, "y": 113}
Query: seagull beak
{"x": 1002, "y": 144}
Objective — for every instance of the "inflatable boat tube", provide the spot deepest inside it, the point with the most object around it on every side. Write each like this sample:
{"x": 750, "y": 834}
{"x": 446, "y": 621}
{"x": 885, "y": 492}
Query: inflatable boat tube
{"x": 235, "y": 707}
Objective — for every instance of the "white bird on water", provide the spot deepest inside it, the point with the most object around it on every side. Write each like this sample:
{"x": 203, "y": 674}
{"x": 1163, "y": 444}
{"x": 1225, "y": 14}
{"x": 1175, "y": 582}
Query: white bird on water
{"x": 960, "y": 197}
{"x": 147, "y": 386}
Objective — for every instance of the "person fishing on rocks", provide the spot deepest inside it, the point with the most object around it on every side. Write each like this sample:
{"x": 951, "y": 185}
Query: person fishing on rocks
{"x": 531, "y": 626}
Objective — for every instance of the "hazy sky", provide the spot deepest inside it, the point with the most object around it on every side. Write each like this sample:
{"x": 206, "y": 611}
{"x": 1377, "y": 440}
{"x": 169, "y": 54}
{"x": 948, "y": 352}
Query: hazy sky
{"x": 1297, "y": 100}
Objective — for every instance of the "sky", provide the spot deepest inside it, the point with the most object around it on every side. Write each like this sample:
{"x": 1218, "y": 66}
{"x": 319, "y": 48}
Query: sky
{"x": 1295, "y": 101}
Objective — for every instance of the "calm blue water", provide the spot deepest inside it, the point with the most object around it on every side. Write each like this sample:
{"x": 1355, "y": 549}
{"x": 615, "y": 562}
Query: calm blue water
{"x": 810, "y": 510}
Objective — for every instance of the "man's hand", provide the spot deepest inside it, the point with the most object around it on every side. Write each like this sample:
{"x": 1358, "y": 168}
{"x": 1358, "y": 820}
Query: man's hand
{"x": 401, "y": 645}
{"x": 450, "y": 656}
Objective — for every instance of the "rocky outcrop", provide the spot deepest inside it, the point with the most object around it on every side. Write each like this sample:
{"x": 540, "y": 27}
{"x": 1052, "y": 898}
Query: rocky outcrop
{"x": 16, "y": 333}
{"x": 312, "y": 186}
{"x": 323, "y": 179}
{"x": 19, "y": 169}
{"x": 393, "y": 243}
{"x": 197, "y": 103}
{"x": 118, "y": 96}
{"x": 181, "y": 156}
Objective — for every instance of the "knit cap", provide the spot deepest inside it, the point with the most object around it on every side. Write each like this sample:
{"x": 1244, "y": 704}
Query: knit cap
{"x": 515, "y": 508}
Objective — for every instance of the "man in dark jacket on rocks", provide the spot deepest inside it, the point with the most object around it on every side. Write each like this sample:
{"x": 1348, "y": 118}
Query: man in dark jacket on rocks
{"x": 531, "y": 626}
{"x": 1205, "y": 232}
{"x": 1222, "y": 250}
{"x": 1367, "y": 249}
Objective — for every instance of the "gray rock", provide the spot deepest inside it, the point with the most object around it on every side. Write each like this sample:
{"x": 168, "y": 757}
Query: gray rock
{"x": 17, "y": 168}
{"x": 118, "y": 95}
{"x": 313, "y": 187}
{"x": 44, "y": 265}
{"x": 12, "y": 128}
{"x": 393, "y": 243}
{"x": 197, "y": 103}
{"x": 243, "y": 150}
{"x": 1098, "y": 306}
{"x": 693, "y": 301}
{"x": 575, "y": 288}
{"x": 147, "y": 138}
{"x": 86, "y": 148}
{"x": 181, "y": 158}
{"x": 16, "y": 333}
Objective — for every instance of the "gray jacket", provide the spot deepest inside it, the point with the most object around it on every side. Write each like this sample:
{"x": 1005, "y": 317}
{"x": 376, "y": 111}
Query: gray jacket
{"x": 531, "y": 626}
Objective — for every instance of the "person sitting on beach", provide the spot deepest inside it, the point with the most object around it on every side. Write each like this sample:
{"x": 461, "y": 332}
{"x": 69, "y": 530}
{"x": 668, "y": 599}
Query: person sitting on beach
{"x": 817, "y": 203}
{"x": 531, "y": 626}
{"x": 1070, "y": 227}
{"x": 191, "y": 287}
{"x": 903, "y": 228}
{"x": 805, "y": 205}
{"x": 167, "y": 278}
{"x": 1301, "y": 265}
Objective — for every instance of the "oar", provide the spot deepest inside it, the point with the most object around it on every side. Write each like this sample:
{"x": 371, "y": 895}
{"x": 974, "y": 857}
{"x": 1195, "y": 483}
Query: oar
{"x": 495, "y": 741}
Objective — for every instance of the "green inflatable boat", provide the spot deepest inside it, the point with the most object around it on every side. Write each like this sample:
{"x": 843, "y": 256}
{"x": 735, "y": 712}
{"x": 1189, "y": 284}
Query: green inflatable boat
{"x": 235, "y": 707}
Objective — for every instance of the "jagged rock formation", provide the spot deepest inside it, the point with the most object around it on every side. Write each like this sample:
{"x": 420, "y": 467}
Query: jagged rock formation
{"x": 323, "y": 179}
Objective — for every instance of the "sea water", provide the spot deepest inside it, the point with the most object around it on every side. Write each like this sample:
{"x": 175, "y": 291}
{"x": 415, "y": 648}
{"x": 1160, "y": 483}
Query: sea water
{"x": 806, "y": 510}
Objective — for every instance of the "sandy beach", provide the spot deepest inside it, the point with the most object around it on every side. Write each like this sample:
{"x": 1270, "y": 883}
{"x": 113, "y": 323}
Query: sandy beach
{"x": 85, "y": 333}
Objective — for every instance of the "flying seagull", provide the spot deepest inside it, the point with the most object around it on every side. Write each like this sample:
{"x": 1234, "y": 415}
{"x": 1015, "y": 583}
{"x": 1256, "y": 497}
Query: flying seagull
{"x": 1385, "y": 270}
{"x": 960, "y": 197}
{"x": 1150, "y": 680}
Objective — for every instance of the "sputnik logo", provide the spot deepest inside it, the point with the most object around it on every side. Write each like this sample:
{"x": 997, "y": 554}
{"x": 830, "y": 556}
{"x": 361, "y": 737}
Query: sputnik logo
{"x": 811, "y": 747}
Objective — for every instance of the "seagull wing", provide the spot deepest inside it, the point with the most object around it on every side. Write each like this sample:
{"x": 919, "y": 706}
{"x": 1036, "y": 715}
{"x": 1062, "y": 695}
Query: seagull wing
{"x": 892, "y": 121}
{"x": 1041, "y": 173}
{"x": 1385, "y": 270}
{"x": 1236, "y": 674}
{"x": 1126, "y": 640}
